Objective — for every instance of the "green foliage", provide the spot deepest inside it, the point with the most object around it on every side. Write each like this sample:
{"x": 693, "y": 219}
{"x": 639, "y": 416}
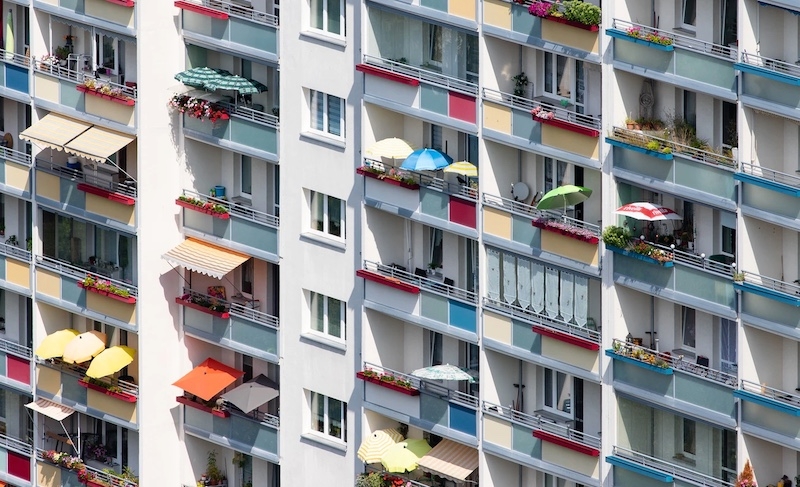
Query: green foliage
{"x": 653, "y": 145}
{"x": 213, "y": 472}
{"x": 520, "y": 83}
{"x": 371, "y": 479}
{"x": 582, "y": 12}
{"x": 616, "y": 236}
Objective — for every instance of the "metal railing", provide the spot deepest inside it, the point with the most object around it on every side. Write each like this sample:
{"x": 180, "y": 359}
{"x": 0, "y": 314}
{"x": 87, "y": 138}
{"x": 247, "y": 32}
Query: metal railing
{"x": 682, "y": 473}
{"x": 79, "y": 77}
{"x": 10, "y": 250}
{"x": 100, "y": 475}
{"x": 254, "y": 315}
{"x": 237, "y": 210}
{"x": 792, "y": 289}
{"x": 79, "y": 273}
{"x": 641, "y": 139}
{"x": 770, "y": 174}
{"x": 537, "y": 422}
{"x": 16, "y": 156}
{"x": 778, "y": 66}
{"x": 16, "y": 444}
{"x": 251, "y": 114}
{"x": 771, "y": 392}
{"x": 127, "y": 188}
{"x": 468, "y": 192}
{"x": 427, "y": 386}
{"x": 16, "y": 349}
{"x": 684, "y": 42}
{"x": 423, "y": 75}
{"x": 14, "y": 58}
{"x": 240, "y": 11}
{"x": 432, "y": 285}
{"x": 529, "y": 211}
{"x": 79, "y": 370}
{"x": 560, "y": 113}
{"x": 696, "y": 261}
{"x": 543, "y": 320}
{"x": 414, "y": 381}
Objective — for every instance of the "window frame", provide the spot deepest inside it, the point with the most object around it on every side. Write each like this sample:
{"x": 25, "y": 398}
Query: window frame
{"x": 553, "y": 393}
{"x": 314, "y": 109}
{"x": 577, "y": 83}
{"x": 326, "y": 420}
{"x": 682, "y": 16}
{"x": 688, "y": 323}
{"x": 326, "y": 219}
{"x": 325, "y": 17}
{"x": 326, "y": 306}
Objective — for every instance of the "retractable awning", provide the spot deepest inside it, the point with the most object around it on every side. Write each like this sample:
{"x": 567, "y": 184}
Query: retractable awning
{"x": 50, "y": 409}
{"x": 98, "y": 144}
{"x": 450, "y": 460}
{"x": 205, "y": 258}
{"x": 208, "y": 379}
{"x": 54, "y": 131}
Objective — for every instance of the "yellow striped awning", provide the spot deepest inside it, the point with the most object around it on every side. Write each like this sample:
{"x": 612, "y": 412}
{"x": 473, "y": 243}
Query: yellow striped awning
{"x": 450, "y": 460}
{"x": 205, "y": 258}
{"x": 98, "y": 144}
{"x": 54, "y": 131}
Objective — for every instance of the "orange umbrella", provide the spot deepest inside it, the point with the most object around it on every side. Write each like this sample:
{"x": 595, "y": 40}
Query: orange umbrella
{"x": 208, "y": 379}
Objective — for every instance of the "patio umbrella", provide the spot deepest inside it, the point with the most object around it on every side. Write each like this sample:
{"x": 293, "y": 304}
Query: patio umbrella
{"x": 252, "y": 394}
{"x": 208, "y": 379}
{"x": 375, "y": 445}
{"x": 442, "y": 372}
{"x": 648, "y": 212}
{"x": 563, "y": 196}
{"x": 391, "y": 148}
{"x": 110, "y": 361}
{"x": 198, "y": 77}
{"x": 465, "y": 168}
{"x": 404, "y": 456}
{"x": 84, "y": 346}
{"x": 236, "y": 83}
{"x": 53, "y": 344}
{"x": 426, "y": 160}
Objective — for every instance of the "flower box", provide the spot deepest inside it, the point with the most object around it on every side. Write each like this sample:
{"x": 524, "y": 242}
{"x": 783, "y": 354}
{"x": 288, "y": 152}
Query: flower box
{"x": 387, "y": 281}
{"x": 381, "y": 177}
{"x": 389, "y": 385}
{"x": 590, "y": 239}
{"x": 185, "y": 301}
{"x": 639, "y": 363}
{"x": 200, "y": 209}
{"x": 572, "y": 23}
{"x": 220, "y": 413}
{"x": 624, "y": 36}
{"x": 199, "y": 9}
{"x": 566, "y": 443}
{"x": 122, "y": 396}
{"x": 109, "y": 195}
{"x": 386, "y": 74}
{"x": 566, "y": 338}
{"x": 572, "y": 127}
{"x": 123, "y": 100}
{"x": 636, "y": 148}
{"x": 116, "y": 297}
{"x": 639, "y": 256}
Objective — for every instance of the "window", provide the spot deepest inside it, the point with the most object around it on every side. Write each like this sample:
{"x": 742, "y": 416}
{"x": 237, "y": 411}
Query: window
{"x": 555, "y": 173}
{"x": 328, "y": 16}
{"x": 436, "y": 248}
{"x": 327, "y": 113}
{"x": 688, "y": 13}
{"x": 436, "y": 137}
{"x": 433, "y": 343}
{"x": 246, "y": 177}
{"x": 327, "y": 214}
{"x": 564, "y": 79}
{"x": 687, "y": 328}
{"x": 108, "y": 52}
{"x": 247, "y": 277}
{"x": 247, "y": 367}
{"x": 728, "y": 233}
{"x": 553, "y": 481}
{"x": 689, "y": 436}
{"x": 690, "y": 107}
{"x": 433, "y": 51}
{"x": 327, "y": 315}
{"x": 727, "y": 348}
{"x": 558, "y": 392}
{"x": 329, "y": 416}
{"x": 277, "y": 189}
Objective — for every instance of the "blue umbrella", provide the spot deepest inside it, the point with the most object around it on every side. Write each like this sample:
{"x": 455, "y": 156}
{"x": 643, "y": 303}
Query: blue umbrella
{"x": 426, "y": 160}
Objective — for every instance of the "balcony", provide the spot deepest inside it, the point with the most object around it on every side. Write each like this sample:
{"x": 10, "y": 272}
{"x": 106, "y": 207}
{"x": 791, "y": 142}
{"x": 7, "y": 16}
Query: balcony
{"x": 14, "y": 76}
{"x": 57, "y": 475}
{"x": 15, "y": 269}
{"x": 674, "y": 58}
{"x": 232, "y": 325}
{"x": 250, "y": 132}
{"x": 15, "y": 366}
{"x": 769, "y": 304}
{"x": 221, "y": 25}
{"x": 434, "y": 408}
{"x": 547, "y": 235}
{"x": 115, "y": 15}
{"x": 541, "y": 443}
{"x": 255, "y": 434}
{"x": 457, "y": 12}
{"x": 770, "y": 195}
{"x": 510, "y": 20}
{"x": 769, "y": 413}
{"x": 650, "y": 161}
{"x": 420, "y": 93}
{"x": 64, "y": 384}
{"x": 16, "y": 458}
{"x": 246, "y": 229}
{"x": 15, "y": 173}
{"x": 772, "y": 85}
{"x": 57, "y": 283}
{"x": 422, "y": 198}
{"x": 425, "y": 301}
{"x": 638, "y": 468}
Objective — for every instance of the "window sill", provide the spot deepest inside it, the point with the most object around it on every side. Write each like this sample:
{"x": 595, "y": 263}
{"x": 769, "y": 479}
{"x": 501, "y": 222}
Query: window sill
{"x": 318, "y": 237}
{"x": 330, "y": 140}
{"x": 322, "y": 440}
{"x": 325, "y": 37}
{"x": 326, "y": 341}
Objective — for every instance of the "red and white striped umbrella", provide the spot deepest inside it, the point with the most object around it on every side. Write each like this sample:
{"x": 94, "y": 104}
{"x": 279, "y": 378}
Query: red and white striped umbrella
{"x": 648, "y": 212}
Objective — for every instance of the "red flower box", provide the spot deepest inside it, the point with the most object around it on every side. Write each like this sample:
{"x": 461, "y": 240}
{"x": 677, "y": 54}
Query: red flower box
{"x": 128, "y": 101}
{"x": 92, "y": 483}
{"x": 122, "y": 396}
{"x": 388, "y": 180}
{"x": 387, "y": 281}
{"x": 215, "y": 214}
{"x": 386, "y": 74}
{"x": 566, "y": 338}
{"x": 220, "y": 413}
{"x": 572, "y": 23}
{"x": 594, "y": 240}
{"x": 388, "y": 385}
{"x": 562, "y": 124}
{"x": 566, "y": 443}
{"x": 124, "y": 3}
{"x": 198, "y": 9}
{"x": 186, "y": 302}
{"x": 109, "y": 195}
{"x": 117, "y": 297}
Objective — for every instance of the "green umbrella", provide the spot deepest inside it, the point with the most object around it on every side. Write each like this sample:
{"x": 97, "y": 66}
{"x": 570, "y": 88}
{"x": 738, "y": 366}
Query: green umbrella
{"x": 236, "y": 83}
{"x": 442, "y": 372}
{"x": 198, "y": 77}
{"x": 564, "y": 196}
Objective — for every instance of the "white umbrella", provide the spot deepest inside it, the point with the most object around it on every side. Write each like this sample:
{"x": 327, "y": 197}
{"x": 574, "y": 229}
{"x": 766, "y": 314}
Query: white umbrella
{"x": 443, "y": 372}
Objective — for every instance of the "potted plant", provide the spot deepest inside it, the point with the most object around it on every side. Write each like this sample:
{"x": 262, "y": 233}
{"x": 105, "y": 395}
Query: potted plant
{"x": 630, "y": 122}
{"x": 213, "y": 475}
{"x": 520, "y": 83}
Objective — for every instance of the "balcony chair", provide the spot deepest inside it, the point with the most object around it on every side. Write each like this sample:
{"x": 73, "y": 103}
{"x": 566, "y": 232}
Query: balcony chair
{"x": 449, "y": 282}
{"x": 420, "y": 272}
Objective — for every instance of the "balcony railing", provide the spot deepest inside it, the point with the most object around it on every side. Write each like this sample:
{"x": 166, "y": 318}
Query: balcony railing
{"x": 700, "y": 262}
{"x": 561, "y": 113}
{"x": 79, "y": 370}
{"x": 543, "y": 320}
{"x": 683, "y": 473}
{"x": 775, "y": 65}
{"x": 430, "y": 387}
{"x": 15, "y": 156}
{"x": 16, "y": 444}
{"x": 100, "y": 475}
{"x": 792, "y": 289}
{"x": 432, "y": 285}
{"x": 240, "y": 11}
{"x": 770, "y": 174}
{"x": 78, "y": 77}
{"x": 423, "y": 75}
{"x": 14, "y": 58}
{"x": 641, "y": 139}
{"x": 681, "y": 41}
{"x": 15, "y": 252}
{"x": 236, "y": 309}
{"x": 430, "y": 182}
{"x": 539, "y": 423}
{"x": 414, "y": 381}
{"x": 772, "y": 393}
{"x": 251, "y": 114}
{"x": 529, "y": 211}
{"x": 238, "y": 210}
{"x": 127, "y": 188}
{"x": 13, "y": 348}
{"x": 79, "y": 273}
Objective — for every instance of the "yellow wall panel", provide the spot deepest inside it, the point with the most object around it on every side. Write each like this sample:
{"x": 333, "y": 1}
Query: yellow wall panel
{"x": 111, "y": 307}
{"x": 497, "y": 327}
{"x": 569, "y": 247}
{"x": 570, "y": 141}
{"x": 496, "y": 13}
{"x": 18, "y": 176}
{"x": 462, "y": 8}
{"x": 48, "y": 283}
{"x": 110, "y": 12}
{"x": 48, "y": 380}
{"x": 570, "y": 354}
{"x": 111, "y": 110}
{"x": 585, "y": 464}
{"x": 115, "y": 211}
{"x": 496, "y": 222}
{"x": 47, "y": 88}
{"x": 567, "y": 35}
{"x": 18, "y": 273}
{"x": 497, "y": 117}
{"x": 47, "y": 475}
{"x": 109, "y": 405}
{"x": 497, "y": 431}
{"x": 48, "y": 186}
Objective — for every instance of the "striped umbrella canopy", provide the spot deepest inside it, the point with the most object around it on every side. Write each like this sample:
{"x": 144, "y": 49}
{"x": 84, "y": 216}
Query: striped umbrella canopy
{"x": 465, "y": 168}
{"x": 236, "y": 83}
{"x": 391, "y": 148}
{"x": 404, "y": 456}
{"x": 375, "y": 445}
{"x": 648, "y": 212}
{"x": 198, "y": 77}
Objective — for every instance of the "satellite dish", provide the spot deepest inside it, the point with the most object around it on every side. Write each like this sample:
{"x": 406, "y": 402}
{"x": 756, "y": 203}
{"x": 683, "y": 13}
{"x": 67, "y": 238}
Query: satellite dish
{"x": 520, "y": 190}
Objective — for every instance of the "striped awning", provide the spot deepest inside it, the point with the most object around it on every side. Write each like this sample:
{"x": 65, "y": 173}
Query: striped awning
{"x": 202, "y": 257}
{"x": 50, "y": 409}
{"x": 98, "y": 144}
{"x": 450, "y": 460}
{"x": 54, "y": 131}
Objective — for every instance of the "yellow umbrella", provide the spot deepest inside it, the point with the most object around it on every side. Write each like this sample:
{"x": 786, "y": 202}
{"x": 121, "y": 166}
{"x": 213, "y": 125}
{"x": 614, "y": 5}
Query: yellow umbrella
{"x": 84, "y": 346}
{"x": 374, "y": 446}
{"x": 465, "y": 168}
{"x": 391, "y": 148}
{"x": 110, "y": 361}
{"x": 53, "y": 344}
{"x": 404, "y": 456}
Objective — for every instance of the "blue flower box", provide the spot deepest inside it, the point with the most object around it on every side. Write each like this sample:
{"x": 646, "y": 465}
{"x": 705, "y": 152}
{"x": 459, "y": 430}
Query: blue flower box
{"x": 618, "y": 34}
{"x": 639, "y": 363}
{"x": 641, "y": 257}
{"x": 636, "y": 148}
